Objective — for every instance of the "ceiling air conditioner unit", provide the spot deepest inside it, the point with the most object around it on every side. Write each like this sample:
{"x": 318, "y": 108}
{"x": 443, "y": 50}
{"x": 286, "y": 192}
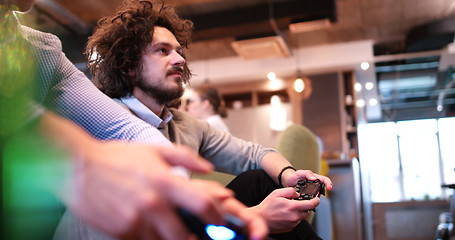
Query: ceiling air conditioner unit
{"x": 266, "y": 47}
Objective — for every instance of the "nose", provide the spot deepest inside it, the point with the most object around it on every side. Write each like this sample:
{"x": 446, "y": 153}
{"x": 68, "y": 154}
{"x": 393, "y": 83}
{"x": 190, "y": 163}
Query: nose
{"x": 177, "y": 59}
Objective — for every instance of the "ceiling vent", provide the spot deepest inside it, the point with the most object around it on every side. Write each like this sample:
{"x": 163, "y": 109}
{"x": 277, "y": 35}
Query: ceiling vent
{"x": 266, "y": 47}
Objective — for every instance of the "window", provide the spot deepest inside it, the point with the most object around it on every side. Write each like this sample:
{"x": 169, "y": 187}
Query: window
{"x": 419, "y": 154}
{"x": 447, "y": 140}
{"x": 408, "y": 159}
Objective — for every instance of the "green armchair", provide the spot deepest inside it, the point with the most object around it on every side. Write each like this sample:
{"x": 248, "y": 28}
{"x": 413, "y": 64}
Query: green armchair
{"x": 300, "y": 146}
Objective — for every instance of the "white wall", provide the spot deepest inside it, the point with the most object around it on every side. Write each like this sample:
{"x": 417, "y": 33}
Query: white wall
{"x": 252, "y": 124}
{"x": 311, "y": 60}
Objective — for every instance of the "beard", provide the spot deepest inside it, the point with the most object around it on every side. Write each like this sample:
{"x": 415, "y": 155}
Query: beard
{"x": 160, "y": 92}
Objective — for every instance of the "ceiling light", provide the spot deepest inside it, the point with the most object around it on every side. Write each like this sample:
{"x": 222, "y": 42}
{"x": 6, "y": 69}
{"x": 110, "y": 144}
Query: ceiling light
{"x": 369, "y": 85}
{"x": 373, "y": 102}
{"x": 357, "y": 87}
{"x": 299, "y": 85}
{"x": 271, "y": 76}
{"x": 360, "y": 103}
{"x": 364, "y": 65}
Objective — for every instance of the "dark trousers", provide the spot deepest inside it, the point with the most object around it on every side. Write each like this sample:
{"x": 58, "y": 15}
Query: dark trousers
{"x": 252, "y": 187}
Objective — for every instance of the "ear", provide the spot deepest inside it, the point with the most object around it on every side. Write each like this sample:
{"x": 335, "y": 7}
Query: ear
{"x": 132, "y": 75}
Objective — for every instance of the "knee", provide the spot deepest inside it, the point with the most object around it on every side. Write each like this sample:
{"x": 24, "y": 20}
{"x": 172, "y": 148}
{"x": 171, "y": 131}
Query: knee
{"x": 257, "y": 177}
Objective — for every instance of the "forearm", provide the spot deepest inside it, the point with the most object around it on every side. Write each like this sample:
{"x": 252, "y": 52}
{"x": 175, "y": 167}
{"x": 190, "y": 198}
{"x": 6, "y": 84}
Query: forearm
{"x": 228, "y": 153}
{"x": 65, "y": 134}
{"x": 272, "y": 163}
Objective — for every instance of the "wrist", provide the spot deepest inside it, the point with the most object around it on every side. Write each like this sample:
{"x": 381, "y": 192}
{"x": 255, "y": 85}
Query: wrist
{"x": 282, "y": 173}
{"x": 257, "y": 210}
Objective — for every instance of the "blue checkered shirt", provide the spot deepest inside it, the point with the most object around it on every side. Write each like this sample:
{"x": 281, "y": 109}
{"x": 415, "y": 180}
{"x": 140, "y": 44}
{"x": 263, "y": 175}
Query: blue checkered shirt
{"x": 65, "y": 90}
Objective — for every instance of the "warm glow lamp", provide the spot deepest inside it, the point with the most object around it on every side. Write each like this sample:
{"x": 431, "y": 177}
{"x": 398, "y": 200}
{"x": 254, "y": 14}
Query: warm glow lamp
{"x": 299, "y": 85}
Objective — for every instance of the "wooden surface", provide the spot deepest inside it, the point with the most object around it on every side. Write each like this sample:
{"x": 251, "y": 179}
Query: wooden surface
{"x": 345, "y": 200}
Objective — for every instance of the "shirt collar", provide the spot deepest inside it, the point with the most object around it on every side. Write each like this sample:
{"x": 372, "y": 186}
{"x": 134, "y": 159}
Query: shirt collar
{"x": 147, "y": 115}
{"x": 150, "y": 117}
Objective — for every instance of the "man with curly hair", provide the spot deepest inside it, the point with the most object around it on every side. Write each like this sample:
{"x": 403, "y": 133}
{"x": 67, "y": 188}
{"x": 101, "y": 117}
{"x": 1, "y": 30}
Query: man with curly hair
{"x": 126, "y": 190}
{"x": 140, "y": 62}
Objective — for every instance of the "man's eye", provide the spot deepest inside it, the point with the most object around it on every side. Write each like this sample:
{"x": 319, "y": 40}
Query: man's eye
{"x": 162, "y": 50}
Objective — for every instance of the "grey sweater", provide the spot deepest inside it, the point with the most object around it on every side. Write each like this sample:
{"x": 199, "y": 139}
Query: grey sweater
{"x": 228, "y": 153}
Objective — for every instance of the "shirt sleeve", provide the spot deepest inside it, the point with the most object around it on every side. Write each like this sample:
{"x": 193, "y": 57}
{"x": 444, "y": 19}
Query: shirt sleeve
{"x": 75, "y": 97}
{"x": 228, "y": 153}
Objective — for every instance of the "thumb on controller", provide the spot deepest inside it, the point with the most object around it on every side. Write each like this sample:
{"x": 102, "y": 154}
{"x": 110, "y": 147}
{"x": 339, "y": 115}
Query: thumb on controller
{"x": 288, "y": 192}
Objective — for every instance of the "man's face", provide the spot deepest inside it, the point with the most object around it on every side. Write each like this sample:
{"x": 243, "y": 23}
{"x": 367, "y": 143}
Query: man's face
{"x": 196, "y": 106}
{"x": 162, "y": 67}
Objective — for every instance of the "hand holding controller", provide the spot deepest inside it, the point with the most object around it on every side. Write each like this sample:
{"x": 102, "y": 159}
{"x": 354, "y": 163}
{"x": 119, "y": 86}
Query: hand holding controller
{"x": 308, "y": 189}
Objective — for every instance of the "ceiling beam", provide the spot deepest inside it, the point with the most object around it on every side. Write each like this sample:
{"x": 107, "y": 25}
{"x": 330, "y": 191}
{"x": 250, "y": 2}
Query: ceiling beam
{"x": 62, "y": 16}
{"x": 285, "y": 12}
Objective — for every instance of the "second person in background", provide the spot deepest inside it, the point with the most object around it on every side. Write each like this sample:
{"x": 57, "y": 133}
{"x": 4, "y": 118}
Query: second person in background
{"x": 206, "y": 104}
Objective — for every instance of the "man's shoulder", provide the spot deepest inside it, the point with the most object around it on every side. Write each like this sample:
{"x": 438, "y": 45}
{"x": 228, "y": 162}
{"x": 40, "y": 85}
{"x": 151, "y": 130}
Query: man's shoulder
{"x": 182, "y": 117}
{"x": 41, "y": 40}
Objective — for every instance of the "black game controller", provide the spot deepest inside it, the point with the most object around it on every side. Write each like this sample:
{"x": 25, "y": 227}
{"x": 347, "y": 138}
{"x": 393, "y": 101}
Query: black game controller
{"x": 308, "y": 189}
{"x": 234, "y": 229}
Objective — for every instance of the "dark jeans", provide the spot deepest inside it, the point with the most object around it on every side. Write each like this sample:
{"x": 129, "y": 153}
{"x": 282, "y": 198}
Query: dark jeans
{"x": 252, "y": 187}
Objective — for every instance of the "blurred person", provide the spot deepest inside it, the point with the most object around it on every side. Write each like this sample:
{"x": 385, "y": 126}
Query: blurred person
{"x": 206, "y": 104}
{"x": 126, "y": 190}
{"x": 141, "y": 64}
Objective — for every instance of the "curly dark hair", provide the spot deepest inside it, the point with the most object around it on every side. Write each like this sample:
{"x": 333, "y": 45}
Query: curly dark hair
{"x": 120, "y": 41}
